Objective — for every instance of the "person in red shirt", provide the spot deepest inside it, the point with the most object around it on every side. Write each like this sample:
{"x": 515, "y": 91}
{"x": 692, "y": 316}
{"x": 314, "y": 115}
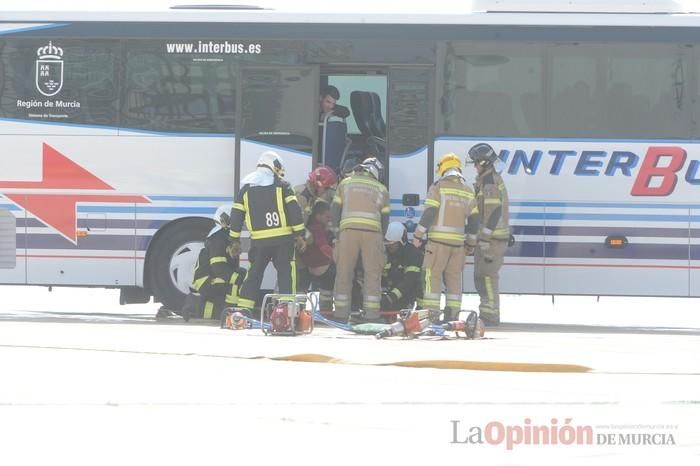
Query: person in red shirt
{"x": 318, "y": 255}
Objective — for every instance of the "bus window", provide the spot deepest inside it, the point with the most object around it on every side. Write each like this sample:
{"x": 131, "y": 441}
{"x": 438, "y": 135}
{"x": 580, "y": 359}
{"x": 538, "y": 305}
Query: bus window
{"x": 491, "y": 90}
{"x": 279, "y": 106}
{"x": 80, "y": 82}
{"x": 695, "y": 97}
{"x": 574, "y": 91}
{"x": 176, "y": 93}
{"x": 644, "y": 93}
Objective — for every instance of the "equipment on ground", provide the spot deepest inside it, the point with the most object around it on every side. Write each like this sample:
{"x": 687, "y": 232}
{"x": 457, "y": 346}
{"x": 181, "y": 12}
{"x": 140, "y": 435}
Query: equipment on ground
{"x": 471, "y": 326}
{"x": 286, "y": 315}
{"x": 410, "y": 323}
{"x": 234, "y": 318}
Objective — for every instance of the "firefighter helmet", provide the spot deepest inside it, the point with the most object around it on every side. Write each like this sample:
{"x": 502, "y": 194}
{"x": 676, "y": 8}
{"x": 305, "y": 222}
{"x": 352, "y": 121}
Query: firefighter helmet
{"x": 322, "y": 177}
{"x": 482, "y": 154}
{"x": 374, "y": 167}
{"x": 273, "y": 161}
{"x": 447, "y": 161}
{"x": 396, "y": 232}
{"x": 222, "y": 217}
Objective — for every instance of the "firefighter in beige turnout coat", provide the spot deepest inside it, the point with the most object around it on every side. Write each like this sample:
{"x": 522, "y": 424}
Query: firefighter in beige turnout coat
{"x": 494, "y": 231}
{"x": 449, "y": 222}
{"x": 360, "y": 216}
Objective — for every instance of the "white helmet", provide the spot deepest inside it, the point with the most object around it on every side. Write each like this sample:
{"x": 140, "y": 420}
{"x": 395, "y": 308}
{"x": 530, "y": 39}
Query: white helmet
{"x": 273, "y": 161}
{"x": 396, "y": 232}
{"x": 374, "y": 167}
{"x": 222, "y": 216}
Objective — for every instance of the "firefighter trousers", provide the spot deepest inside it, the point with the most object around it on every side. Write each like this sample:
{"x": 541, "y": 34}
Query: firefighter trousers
{"x": 322, "y": 283}
{"x": 486, "y": 267}
{"x": 443, "y": 263}
{"x": 282, "y": 255}
{"x": 351, "y": 246}
{"x": 216, "y": 293}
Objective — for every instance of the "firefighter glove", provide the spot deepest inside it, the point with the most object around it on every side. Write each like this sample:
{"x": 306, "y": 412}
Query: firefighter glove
{"x": 485, "y": 248}
{"x": 300, "y": 244}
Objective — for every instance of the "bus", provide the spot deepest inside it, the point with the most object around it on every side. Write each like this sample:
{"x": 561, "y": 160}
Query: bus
{"x": 122, "y": 130}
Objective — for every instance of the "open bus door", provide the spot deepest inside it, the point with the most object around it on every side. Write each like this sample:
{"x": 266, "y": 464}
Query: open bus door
{"x": 278, "y": 112}
{"x": 409, "y": 140}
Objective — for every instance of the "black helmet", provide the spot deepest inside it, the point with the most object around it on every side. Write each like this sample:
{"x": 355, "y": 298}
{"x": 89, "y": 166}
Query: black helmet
{"x": 483, "y": 154}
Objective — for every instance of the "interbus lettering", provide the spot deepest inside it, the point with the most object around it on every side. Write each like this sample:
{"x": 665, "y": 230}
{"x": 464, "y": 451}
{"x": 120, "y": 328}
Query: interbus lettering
{"x": 657, "y": 176}
{"x": 650, "y": 169}
{"x": 179, "y": 48}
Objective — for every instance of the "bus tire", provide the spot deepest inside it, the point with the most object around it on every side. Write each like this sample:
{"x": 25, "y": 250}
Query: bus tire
{"x": 175, "y": 253}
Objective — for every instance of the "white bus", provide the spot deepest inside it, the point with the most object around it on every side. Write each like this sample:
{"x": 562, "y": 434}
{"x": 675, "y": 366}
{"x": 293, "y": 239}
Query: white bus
{"x": 122, "y": 131}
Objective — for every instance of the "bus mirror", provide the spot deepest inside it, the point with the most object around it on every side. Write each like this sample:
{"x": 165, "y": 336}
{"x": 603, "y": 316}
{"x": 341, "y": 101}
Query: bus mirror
{"x": 410, "y": 200}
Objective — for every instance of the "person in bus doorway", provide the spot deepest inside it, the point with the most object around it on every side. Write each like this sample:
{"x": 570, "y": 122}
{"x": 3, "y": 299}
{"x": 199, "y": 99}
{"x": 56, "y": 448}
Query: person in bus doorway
{"x": 320, "y": 187}
{"x": 217, "y": 275}
{"x": 269, "y": 208}
{"x": 328, "y": 99}
{"x": 401, "y": 276}
{"x": 494, "y": 231}
{"x": 449, "y": 215}
{"x": 360, "y": 216}
{"x": 318, "y": 256}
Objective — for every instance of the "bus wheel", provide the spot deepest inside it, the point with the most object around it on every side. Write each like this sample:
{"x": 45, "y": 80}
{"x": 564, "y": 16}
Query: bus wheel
{"x": 174, "y": 257}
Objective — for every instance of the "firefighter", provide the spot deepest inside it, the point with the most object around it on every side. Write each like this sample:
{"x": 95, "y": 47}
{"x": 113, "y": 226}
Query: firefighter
{"x": 269, "y": 208}
{"x": 449, "y": 207}
{"x": 360, "y": 215}
{"x": 493, "y": 233}
{"x": 217, "y": 275}
{"x": 401, "y": 276}
{"x": 319, "y": 187}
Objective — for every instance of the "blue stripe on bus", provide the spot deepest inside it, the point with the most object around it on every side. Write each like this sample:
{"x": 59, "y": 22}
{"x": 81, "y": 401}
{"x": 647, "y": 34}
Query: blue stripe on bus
{"x": 96, "y": 242}
{"x": 604, "y": 217}
{"x": 541, "y": 230}
{"x": 603, "y": 205}
{"x": 526, "y": 230}
{"x": 276, "y": 147}
{"x": 525, "y": 249}
{"x": 192, "y": 198}
{"x": 145, "y": 210}
{"x": 539, "y": 249}
{"x": 97, "y": 224}
{"x": 32, "y": 28}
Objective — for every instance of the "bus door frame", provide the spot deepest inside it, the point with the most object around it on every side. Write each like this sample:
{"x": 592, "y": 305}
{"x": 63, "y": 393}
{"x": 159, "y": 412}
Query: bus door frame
{"x": 314, "y": 74}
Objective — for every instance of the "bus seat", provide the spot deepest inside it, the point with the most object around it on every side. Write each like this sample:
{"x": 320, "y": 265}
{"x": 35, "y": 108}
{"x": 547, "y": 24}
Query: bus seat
{"x": 360, "y": 102}
{"x": 334, "y": 143}
{"x": 376, "y": 121}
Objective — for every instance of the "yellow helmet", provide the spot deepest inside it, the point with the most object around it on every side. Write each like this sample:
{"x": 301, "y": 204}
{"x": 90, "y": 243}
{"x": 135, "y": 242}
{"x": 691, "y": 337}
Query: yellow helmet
{"x": 447, "y": 161}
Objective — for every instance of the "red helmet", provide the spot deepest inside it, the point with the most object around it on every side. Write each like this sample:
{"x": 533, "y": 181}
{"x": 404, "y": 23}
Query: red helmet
{"x": 322, "y": 177}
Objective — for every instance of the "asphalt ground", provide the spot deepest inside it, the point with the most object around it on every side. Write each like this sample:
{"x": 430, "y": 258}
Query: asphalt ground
{"x": 85, "y": 382}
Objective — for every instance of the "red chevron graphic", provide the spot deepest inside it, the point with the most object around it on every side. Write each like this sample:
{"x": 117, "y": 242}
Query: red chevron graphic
{"x": 58, "y": 211}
